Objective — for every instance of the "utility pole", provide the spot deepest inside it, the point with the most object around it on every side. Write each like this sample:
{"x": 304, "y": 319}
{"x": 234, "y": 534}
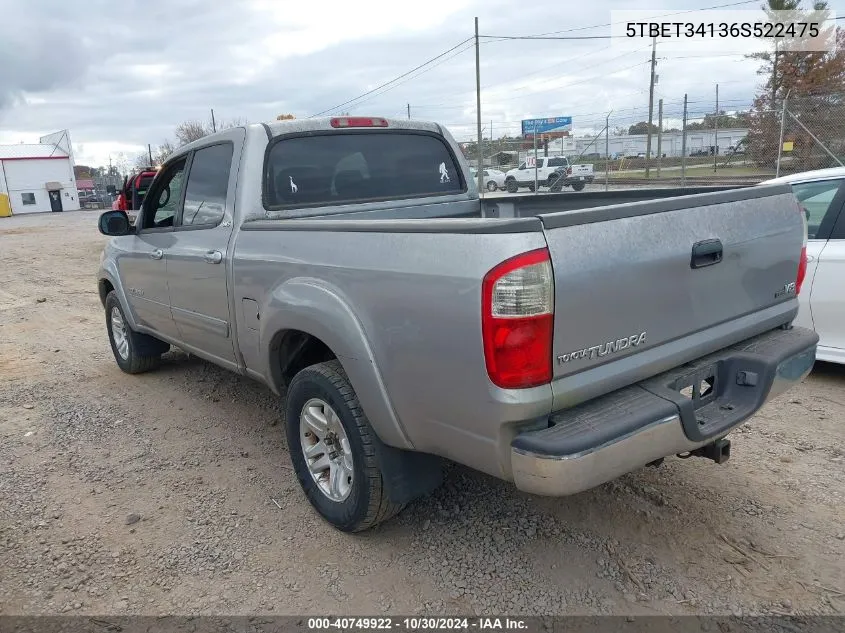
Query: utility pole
{"x": 478, "y": 110}
{"x": 775, "y": 75}
{"x": 780, "y": 138}
{"x": 150, "y": 151}
{"x": 409, "y": 111}
{"x": 684, "y": 145}
{"x": 659, "y": 134}
{"x": 606, "y": 148}
{"x": 716, "y": 132}
{"x": 213, "y": 122}
{"x": 650, "y": 104}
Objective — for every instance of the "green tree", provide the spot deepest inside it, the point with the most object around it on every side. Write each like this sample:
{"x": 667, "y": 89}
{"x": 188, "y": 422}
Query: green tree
{"x": 642, "y": 128}
{"x": 815, "y": 85}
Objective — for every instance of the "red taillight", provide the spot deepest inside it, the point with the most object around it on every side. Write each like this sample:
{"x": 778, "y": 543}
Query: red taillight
{"x": 802, "y": 263}
{"x": 802, "y": 270}
{"x": 517, "y": 320}
{"x": 358, "y": 121}
{"x": 569, "y": 171}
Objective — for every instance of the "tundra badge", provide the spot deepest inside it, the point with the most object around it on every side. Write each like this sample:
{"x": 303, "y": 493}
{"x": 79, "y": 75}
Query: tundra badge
{"x": 596, "y": 351}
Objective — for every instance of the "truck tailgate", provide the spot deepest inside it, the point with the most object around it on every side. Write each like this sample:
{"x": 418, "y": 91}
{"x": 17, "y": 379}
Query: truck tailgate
{"x": 632, "y": 277}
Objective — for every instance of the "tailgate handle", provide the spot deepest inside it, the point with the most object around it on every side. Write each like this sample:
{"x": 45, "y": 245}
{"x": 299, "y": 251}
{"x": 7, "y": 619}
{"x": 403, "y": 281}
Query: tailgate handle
{"x": 706, "y": 253}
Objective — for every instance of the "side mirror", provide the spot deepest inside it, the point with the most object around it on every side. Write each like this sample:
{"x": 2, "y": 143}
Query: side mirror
{"x": 115, "y": 223}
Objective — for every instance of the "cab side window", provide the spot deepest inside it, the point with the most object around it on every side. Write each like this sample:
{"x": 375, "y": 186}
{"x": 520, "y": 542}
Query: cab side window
{"x": 208, "y": 185}
{"x": 164, "y": 200}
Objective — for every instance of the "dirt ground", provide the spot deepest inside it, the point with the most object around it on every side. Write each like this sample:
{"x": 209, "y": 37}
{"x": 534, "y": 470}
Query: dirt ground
{"x": 170, "y": 492}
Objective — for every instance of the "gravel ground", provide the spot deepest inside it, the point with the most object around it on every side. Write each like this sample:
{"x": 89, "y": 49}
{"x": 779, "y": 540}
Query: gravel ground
{"x": 170, "y": 492}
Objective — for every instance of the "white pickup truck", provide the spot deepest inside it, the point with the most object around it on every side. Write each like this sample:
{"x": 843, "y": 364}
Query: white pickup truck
{"x": 550, "y": 172}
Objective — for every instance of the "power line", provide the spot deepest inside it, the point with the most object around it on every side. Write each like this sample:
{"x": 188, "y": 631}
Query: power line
{"x": 395, "y": 79}
{"x": 501, "y": 38}
{"x": 359, "y": 101}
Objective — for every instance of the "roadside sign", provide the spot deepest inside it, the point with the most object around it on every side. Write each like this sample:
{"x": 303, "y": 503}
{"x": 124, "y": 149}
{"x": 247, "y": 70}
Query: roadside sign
{"x": 561, "y": 125}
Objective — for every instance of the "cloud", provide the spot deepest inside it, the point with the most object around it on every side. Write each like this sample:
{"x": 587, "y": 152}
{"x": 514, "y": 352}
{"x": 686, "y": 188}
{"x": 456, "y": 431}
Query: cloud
{"x": 37, "y": 55}
{"x": 123, "y": 74}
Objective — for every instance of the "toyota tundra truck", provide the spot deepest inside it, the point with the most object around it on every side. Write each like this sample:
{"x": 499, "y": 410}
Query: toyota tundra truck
{"x": 557, "y": 342}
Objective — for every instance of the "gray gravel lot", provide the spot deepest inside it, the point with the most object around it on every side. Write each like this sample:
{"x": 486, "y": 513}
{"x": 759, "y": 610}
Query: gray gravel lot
{"x": 170, "y": 492}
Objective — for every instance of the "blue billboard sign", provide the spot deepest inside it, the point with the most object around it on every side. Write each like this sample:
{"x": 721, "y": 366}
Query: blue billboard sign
{"x": 561, "y": 125}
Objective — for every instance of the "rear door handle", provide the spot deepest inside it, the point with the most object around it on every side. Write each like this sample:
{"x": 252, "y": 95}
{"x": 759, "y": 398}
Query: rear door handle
{"x": 706, "y": 253}
{"x": 157, "y": 254}
{"x": 213, "y": 257}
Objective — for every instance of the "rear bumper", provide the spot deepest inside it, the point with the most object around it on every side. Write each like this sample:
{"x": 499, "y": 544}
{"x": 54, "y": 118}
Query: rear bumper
{"x": 612, "y": 435}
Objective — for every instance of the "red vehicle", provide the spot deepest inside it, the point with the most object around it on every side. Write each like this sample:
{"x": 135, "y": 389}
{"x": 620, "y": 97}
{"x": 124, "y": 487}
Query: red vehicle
{"x": 131, "y": 194}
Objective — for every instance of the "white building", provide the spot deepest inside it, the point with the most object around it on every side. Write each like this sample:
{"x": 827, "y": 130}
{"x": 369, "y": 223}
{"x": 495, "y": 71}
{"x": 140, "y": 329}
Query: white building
{"x": 633, "y": 144}
{"x": 38, "y": 177}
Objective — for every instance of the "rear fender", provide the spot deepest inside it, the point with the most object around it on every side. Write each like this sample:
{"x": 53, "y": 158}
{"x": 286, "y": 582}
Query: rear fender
{"x": 314, "y": 307}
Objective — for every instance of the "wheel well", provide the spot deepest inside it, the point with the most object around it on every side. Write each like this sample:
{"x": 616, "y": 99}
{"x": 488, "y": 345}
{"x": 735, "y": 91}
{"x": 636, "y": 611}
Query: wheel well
{"x": 105, "y": 287}
{"x": 295, "y": 350}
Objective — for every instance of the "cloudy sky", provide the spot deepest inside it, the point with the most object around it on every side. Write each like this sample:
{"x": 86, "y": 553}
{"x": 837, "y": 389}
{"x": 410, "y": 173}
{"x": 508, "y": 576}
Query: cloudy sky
{"x": 120, "y": 75}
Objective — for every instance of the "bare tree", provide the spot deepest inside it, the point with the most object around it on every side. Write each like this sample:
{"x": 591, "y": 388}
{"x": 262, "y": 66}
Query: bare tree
{"x": 190, "y": 131}
{"x": 237, "y": 122}
{"x": 163, "y": 152}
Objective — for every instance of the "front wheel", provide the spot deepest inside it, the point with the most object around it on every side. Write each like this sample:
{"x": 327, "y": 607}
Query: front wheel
{"x": 511, "y": 186}
{"x": 331, "y": 446}
{"x": 134, "y": 352}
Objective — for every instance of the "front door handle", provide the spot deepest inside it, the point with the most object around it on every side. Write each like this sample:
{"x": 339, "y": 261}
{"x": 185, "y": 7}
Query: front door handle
{"x": 157, "y": 254}
{"x": 213, "y": 257}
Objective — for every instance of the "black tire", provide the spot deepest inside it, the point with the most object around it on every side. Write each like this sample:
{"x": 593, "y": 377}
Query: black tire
{"x": 531, "y": 188}
{"x": 492, "y": 186}
{"x": 367, "y": 503}
{"x": 578, "y": 186}
{"x": 511, "y": 186}
{"x": 143, "y": 352}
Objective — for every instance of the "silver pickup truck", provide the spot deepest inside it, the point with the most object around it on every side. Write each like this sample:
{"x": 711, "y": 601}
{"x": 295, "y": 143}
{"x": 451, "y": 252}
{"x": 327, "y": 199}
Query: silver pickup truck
{"x": 556, "y": 341}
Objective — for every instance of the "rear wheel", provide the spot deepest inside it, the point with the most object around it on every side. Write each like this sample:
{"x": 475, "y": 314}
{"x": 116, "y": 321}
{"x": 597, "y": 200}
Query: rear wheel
{"x": 531, "y": 187}
{"x": 578, "y": 186}
{"x": 331, "y": 445}
{"x": 492, "y": 186}
{"x": 135, "y": 353}
{"x": 511, "y": 186}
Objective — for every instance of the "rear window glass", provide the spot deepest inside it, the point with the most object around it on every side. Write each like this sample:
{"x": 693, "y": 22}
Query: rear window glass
{"x": 352, "y": 167}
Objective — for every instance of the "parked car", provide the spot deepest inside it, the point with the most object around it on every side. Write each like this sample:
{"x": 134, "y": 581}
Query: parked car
{"x": 821, "y": 194}
{"x": 548, "y": 172}
{"x": 551, "y": 341}
{"x": 493, "y": 178}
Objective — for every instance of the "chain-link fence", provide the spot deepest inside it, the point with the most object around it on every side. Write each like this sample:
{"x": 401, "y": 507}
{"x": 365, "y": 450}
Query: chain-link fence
{"x": 812, "y": 134}
{"x": 689, "y": 145}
